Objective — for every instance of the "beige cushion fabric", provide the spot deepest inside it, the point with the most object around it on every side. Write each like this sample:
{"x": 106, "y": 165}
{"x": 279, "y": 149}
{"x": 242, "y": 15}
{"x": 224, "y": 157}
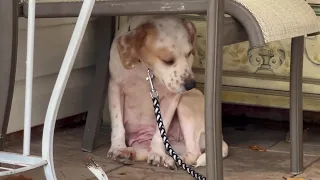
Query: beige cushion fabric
{"x": 309, "y": 1}
{"x": 278, "y": 19}
{"x": 282, "y": 19}
{"x": 45, "y": 1}
{"x": 314, "y": 1}
{"x": 54, "y": 1}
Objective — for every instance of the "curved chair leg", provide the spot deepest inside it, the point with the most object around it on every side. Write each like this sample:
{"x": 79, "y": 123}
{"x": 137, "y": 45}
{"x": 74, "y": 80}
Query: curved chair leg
{"x": 58, "y": 90}
{"x": 213, "y": 86}
{"x": 296, "y": 110}
{"x": 8, "y": 60}
{"x": 104, "y": 32}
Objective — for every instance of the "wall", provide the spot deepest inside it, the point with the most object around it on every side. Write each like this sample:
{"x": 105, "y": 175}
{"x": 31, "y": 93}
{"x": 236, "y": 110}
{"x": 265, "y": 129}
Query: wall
{"x": 51, "y": 41}
{"x": 261, "y": 76}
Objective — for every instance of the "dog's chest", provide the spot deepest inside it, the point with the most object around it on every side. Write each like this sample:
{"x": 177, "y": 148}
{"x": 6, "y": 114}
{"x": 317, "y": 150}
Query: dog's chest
{"x": 138, "y": 107}
{"x": 134, "y": 82}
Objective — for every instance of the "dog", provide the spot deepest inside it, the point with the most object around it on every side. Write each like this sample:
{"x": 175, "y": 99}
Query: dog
{"x": 166, "y": 45}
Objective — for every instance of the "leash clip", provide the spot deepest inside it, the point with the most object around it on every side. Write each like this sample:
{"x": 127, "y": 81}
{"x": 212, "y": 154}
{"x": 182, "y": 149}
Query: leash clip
{"x": 153, "y": 91}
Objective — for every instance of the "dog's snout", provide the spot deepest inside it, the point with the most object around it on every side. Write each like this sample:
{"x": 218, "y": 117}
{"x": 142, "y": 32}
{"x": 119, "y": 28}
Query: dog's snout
{"x": 189, "y": 84}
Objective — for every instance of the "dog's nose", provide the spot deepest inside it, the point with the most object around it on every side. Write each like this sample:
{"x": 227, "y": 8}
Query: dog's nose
{"x": 189, "y": 84}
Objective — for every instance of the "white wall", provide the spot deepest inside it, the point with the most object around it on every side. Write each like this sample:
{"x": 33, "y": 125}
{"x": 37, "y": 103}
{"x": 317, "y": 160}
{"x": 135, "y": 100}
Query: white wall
{"x": 51, "y": 41}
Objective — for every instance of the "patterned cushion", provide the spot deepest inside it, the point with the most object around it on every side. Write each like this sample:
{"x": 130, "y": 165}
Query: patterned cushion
{"x": 277, "y": 22}
{"x": 314, "y": 2}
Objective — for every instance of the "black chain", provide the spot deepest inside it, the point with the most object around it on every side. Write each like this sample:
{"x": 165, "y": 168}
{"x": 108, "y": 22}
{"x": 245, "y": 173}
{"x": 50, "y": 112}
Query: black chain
{"x": 167, "y": 145}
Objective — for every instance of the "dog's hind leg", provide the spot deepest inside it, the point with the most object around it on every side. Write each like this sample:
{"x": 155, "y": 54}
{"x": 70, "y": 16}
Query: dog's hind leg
{"x": 201, "y": 161}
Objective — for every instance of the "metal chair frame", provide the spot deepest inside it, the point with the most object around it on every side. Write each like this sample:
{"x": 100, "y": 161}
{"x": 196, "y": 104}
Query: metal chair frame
{"x": 10, "y": 11}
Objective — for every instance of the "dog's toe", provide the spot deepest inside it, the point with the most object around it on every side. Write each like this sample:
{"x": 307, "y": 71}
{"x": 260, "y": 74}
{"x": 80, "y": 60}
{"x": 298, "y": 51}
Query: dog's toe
{"x": 160, "y": 159}
{"x": 190, "y": 158}
{"x": 122, "y": 155}
{"x": 169, "y": 163}
{"x": 154, "y": 159}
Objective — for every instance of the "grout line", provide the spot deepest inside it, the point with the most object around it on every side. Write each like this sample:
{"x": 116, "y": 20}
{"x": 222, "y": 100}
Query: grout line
{"x": 286, "y": 152}
{"x": 317, "y": 160}
{"x": 309, "y": 144}
{"x": 274, "y": 144}
{"x": 113, "y": 169}
{"x": 274, "y": 151}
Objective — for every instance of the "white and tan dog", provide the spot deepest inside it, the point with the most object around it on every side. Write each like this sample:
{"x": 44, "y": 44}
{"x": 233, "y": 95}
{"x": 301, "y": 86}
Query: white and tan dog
{"x": 166, "y": 45}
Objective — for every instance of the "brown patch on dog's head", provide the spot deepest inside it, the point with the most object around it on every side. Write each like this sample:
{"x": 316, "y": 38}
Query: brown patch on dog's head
{"x": 192, "y": 31}
{"x": 130, "y": 44}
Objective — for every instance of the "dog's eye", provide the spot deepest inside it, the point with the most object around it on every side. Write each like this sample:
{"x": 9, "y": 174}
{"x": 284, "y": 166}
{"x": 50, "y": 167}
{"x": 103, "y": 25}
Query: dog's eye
{"x": 169, "y": 62}
{"x": 188, "y": 55}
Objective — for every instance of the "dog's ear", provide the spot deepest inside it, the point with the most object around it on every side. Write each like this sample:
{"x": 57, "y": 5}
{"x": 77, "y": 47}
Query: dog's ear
{"x": 129, "y": 45}
{"x": 192, "y": 31}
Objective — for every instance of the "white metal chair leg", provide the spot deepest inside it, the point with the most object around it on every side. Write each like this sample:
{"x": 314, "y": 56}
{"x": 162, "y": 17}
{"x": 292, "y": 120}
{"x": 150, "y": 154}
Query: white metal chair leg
{"x": 66, "y": 67}
{"x": 29, "y": 79}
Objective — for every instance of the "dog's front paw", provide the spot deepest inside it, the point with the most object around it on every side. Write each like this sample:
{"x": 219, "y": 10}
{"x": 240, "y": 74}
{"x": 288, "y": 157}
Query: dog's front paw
{"x": 190, "y": 158}
{"x": 161, "y": 158}
{"x": 123, "y": 155}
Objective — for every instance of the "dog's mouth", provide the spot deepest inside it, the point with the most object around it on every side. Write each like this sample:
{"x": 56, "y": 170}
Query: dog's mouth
{"x": 187, "y": 85}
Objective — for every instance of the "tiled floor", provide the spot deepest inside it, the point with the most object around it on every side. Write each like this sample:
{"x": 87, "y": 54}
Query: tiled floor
{"x": 241, "y": 164}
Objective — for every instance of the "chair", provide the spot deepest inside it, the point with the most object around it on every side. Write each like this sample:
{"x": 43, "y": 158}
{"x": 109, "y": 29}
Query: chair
{"x": 251, "y": 20}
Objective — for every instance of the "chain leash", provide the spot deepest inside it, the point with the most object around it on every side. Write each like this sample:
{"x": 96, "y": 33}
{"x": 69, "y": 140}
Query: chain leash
{"x": 156, "y": 104}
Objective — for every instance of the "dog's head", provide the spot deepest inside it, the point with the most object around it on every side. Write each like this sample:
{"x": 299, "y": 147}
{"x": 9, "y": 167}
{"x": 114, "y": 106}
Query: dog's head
{"x": 167, "y": 46}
